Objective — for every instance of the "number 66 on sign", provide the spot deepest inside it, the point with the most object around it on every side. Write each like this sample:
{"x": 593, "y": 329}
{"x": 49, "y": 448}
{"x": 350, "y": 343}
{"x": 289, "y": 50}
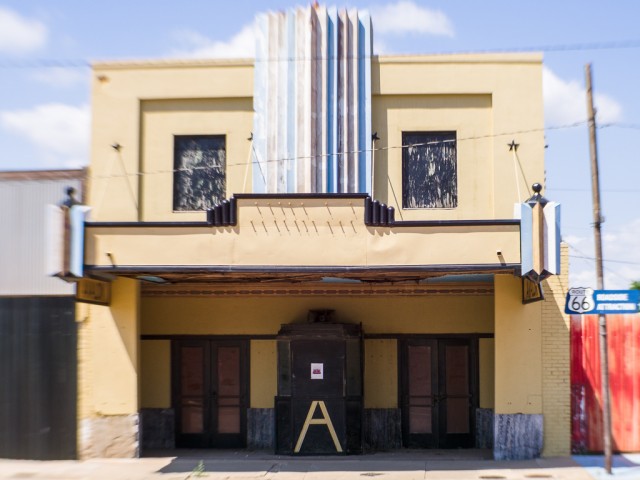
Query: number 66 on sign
{"x": 580, "y": 300}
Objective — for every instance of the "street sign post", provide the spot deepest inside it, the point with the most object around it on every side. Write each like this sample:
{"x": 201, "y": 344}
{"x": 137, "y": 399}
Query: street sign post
{"x": 590, "y": 301}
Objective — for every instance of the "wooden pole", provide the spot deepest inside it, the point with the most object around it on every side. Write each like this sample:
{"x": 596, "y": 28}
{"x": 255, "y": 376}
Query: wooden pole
{"x": 597, "y": 222}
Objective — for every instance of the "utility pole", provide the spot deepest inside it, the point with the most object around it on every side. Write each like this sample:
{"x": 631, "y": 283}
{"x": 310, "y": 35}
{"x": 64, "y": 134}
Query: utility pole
{"x": 602, "y": 319}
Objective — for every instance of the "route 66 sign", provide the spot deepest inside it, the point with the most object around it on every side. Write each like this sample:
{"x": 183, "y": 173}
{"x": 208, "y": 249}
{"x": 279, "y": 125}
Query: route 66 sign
{"x": 580, "y": 300}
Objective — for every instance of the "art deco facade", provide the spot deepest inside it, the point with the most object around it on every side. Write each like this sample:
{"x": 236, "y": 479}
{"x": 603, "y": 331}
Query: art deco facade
{"x": 316, "y": 251}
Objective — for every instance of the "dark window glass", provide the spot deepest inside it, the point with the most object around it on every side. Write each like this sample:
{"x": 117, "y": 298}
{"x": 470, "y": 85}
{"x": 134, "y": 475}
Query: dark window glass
{"x": 192, "y": 389}
{"x": 420, "y": 394}
{"x": 192, "y": 371}
{"x": 229, "y": 390}
{"x": 429, "y": 170}
{"x": 199, "y": 171}
{"x": 457, "y": 385}
{"x": 192, "y": 416}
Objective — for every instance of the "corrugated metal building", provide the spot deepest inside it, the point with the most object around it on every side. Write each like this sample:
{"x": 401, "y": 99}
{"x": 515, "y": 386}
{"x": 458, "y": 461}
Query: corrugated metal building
{"x": 24, "y": 196}
{"x": 38, "y": 336}
{"x": 623, "y": 340}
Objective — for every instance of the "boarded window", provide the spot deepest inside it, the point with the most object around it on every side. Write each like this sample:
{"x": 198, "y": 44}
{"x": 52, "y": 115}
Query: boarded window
{"x": 429, "y": 170}
{"x": 199, "y": 171}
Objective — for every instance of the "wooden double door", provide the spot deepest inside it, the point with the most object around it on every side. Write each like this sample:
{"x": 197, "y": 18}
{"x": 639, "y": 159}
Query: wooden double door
{"x": 209, "y": 390}
{"x": 439, "y": 392}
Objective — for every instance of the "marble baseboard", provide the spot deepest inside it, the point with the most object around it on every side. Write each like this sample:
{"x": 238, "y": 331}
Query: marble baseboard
{"x": 261, "y": 429}
{"x": 157, "y": 428}
{"x": 382, "y": 429}
{"x": 484, "y": 428}
{"x": 517, "y": 436}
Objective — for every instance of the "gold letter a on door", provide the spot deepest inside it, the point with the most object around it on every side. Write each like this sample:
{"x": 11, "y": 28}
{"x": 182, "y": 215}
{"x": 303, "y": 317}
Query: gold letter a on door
{"x": 325, "y": 420}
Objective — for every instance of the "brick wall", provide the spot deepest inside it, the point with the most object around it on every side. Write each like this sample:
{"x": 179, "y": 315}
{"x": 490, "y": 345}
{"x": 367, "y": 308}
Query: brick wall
{"x": 107, "y": 383}
{"x": 556, "y": 381}
{"x": 84, "y": 363}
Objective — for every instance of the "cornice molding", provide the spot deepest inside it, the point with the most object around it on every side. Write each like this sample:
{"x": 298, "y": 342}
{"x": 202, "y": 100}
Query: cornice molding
{"x": 317, "y": 289}
{"x": 376, "y": 214}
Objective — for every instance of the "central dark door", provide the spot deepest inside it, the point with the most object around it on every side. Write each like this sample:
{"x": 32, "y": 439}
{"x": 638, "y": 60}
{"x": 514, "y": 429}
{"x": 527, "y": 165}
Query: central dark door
{"x": 439, "y": 392}
{"x": 319, "y": 402}
{"x": 209, "y": 393}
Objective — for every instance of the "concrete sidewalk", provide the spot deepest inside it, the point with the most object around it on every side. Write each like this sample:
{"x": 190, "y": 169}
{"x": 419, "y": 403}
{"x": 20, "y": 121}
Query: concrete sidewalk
{"x": 625, "y": 466}
{"x": 214, "y": 465}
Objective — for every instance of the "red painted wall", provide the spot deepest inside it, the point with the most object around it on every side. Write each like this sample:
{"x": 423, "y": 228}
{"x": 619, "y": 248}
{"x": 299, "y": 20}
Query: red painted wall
{"x": 624, "y": 378}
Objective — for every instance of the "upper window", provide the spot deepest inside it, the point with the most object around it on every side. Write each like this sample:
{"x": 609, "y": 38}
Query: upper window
{"x": 199, "y": 171}
{"x": 429, "y": 170}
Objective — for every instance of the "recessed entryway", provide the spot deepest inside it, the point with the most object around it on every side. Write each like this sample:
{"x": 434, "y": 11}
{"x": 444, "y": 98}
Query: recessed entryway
{"x": 209, "y": 393}
{"x": 439, "y": 378}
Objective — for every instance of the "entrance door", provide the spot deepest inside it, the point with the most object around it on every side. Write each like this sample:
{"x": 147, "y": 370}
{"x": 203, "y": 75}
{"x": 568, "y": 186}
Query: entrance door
{"x": 319, "y": 402}
{"x": 439, "y": 392}
{"x": 209, "y": 393}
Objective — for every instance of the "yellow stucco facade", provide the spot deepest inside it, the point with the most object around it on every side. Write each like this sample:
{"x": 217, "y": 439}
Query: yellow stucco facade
{"x": 486, "y": 99}
{"x": 289, "y": 255}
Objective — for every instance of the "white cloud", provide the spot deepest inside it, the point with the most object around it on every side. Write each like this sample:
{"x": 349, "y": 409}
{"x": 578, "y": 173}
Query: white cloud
{"x": 380, "y": 47}
{"x": 60, "y": 132}
{"x": 565, "y": 102}
{"x": 402, "y": 17}
{"x": 406, "y": 17}
{"x": 574, "y": 240}
{"x": 61, "y": 77}
{"x": 196, "y": 45}
{"x": 19, "y": 34}
{"x": 621, "y": 246}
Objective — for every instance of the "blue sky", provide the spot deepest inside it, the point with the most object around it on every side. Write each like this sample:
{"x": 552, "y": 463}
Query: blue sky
{"x": 45, "y": 111}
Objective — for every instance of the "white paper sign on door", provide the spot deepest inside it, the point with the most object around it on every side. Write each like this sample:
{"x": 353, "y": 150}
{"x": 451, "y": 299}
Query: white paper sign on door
{"x": 317, "y": 371}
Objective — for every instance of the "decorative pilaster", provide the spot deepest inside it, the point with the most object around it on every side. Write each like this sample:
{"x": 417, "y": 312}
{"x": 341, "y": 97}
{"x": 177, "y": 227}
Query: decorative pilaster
{"x": 312, "y": 102}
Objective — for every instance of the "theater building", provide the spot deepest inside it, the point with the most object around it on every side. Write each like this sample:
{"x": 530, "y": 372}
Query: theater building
{"x": 320, "y": 251}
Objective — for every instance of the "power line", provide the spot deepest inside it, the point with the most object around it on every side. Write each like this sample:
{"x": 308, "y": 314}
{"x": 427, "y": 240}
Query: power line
{"x": 44, "y": 63}
{"x": 587, "y": 257}
{"x": 612, "y": 230}
{"x": 327, "y": 155}
{"x": 626, "y": 262}
{"x": 615, "y": 190}
{"x": 592, "y": 259}
{"x": 632, "y": 126}
{"x": 604, "y": 45}
{"x": 609, "y": 270}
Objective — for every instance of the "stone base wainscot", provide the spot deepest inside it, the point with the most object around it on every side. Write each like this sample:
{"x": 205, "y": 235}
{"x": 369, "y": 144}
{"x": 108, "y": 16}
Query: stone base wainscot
{"x": 109, "y": 436}
{"x": 261, "y": 426}
{"x": 382, "y": 429}
{"x": 517, "y": 436}
{"x": 484, "y": 428}
{"x": 157, "y": 428}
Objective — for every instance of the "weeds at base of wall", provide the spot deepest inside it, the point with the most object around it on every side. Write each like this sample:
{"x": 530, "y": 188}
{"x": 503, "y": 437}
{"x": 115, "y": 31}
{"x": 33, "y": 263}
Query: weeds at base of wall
{"x": 198, "y": 471}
